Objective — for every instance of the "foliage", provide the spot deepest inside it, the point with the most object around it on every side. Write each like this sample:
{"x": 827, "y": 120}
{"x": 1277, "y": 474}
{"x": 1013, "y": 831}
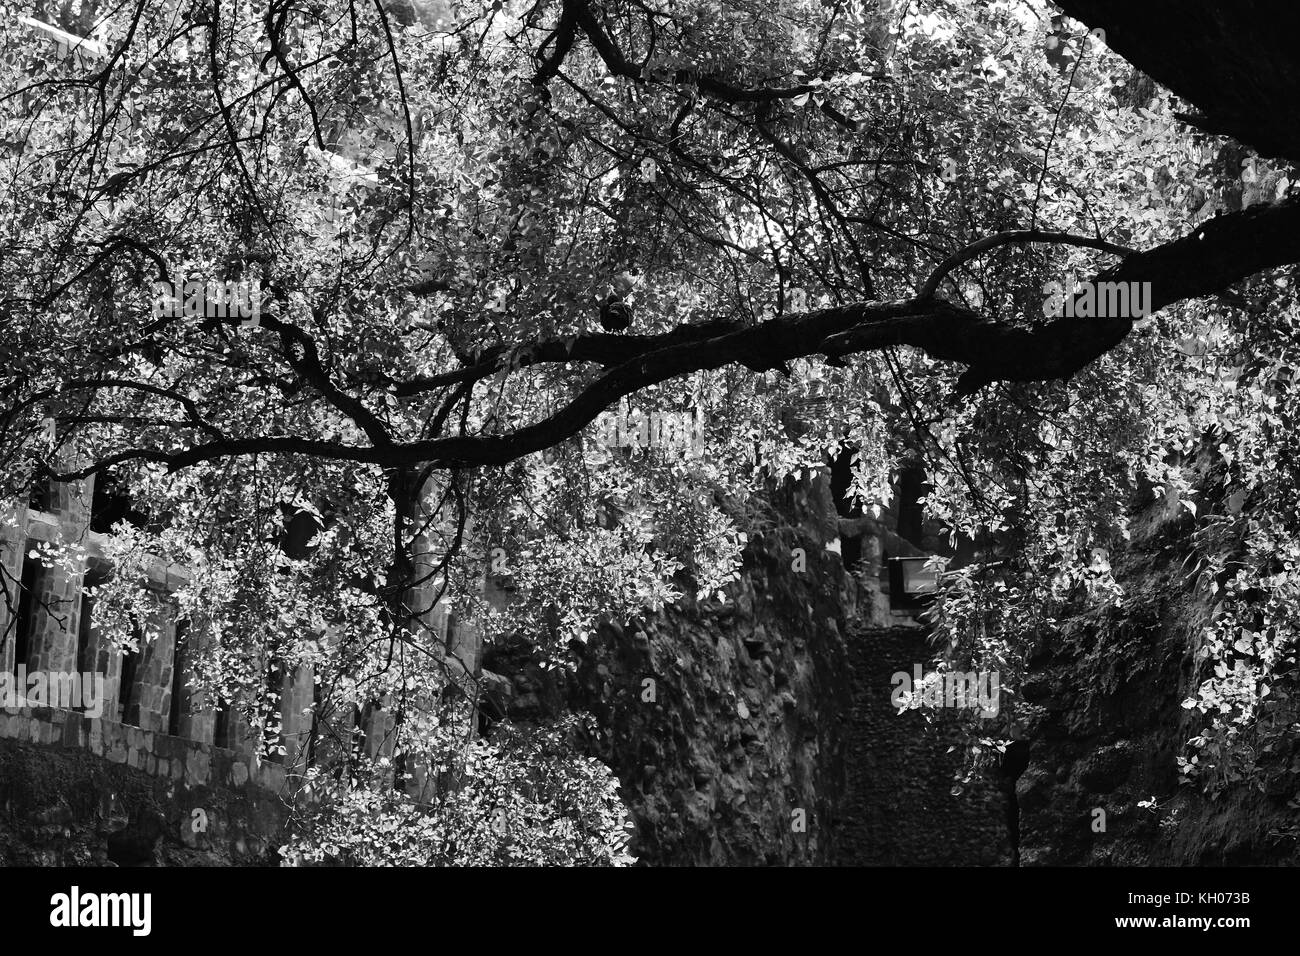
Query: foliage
{"x": 435, "y": 199}
{"x": 519, "y": 799}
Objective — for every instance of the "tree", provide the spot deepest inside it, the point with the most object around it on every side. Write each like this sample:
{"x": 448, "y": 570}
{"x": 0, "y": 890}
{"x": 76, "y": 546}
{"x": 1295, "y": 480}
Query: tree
{"x": 852, "y": 210}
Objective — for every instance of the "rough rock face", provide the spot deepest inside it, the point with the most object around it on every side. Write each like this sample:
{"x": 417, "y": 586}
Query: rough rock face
{"x": 903, "y": 805}
{"x": 67, "y": 807}
{"x": 724, "y": 722}
{"x": 1110, "y": 687}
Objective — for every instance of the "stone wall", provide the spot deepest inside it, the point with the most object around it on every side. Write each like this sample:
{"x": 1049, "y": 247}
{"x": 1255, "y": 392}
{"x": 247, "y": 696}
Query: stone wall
{"x": 55, "y": 632}
{"x": 59, "y": 640}
{"x": 748, "y": 732}
{"x": 56, "y": 615}
{"x": 1110, "y": 724}
{"x": 82, "y": 791}
{"x": 157, "y": 754}
{"x": 722, "y": 721}
{"x": 903, "y": 805}
{"x": 117, "y": 788}
{"x": 158, "y": 728}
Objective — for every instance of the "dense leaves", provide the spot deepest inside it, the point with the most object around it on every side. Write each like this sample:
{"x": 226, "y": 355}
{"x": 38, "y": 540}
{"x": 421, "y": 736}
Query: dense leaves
{"x": 435, "y": 200}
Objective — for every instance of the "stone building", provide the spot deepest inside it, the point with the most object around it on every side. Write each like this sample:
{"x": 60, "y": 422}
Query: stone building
{"x": 151, "y": 715}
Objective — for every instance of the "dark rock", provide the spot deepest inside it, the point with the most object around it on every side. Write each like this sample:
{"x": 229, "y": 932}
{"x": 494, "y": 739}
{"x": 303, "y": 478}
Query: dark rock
{"x": 704, "y": 785}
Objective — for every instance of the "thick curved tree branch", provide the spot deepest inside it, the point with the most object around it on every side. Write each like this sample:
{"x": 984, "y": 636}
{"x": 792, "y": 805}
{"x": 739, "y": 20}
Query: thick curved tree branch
{"x": 300, "y": 352}
{"x": 1221, "y": 252}
{"x": 1205, "y": 262}
{"x": 566, "y": 31}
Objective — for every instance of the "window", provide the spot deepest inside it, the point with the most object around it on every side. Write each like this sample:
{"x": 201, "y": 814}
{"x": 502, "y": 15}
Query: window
{"x": 180, "y": 700}
{"x": 41, "y": 496}
{"x": 911, "y": 513}
{"x": 221, "y": 726}
{"x": 841, "y": 479}
{"x": 111, "y": 503}
{"x": 914, "y": 577}
{"x": 25, "y": 620}
{"x": 87, "y": 652}
{"x": 128, "y": 693}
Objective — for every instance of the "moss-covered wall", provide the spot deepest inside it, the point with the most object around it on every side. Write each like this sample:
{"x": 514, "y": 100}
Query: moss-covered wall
{"x": 1110, "y": 687}
{"x": 137, "y": 801}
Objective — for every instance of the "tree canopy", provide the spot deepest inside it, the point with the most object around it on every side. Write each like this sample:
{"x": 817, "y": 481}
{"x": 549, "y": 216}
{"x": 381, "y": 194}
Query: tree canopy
{"x": 832, "y": 226}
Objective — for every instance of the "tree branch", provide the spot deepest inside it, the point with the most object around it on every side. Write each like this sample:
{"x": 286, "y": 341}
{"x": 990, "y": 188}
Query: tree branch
{"x": 978, "y": 248}
{"x": 1205, "y": 262}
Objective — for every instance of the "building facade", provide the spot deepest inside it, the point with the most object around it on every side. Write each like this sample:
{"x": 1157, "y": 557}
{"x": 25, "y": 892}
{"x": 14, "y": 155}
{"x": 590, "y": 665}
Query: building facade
{"x": 151, "y": 715}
